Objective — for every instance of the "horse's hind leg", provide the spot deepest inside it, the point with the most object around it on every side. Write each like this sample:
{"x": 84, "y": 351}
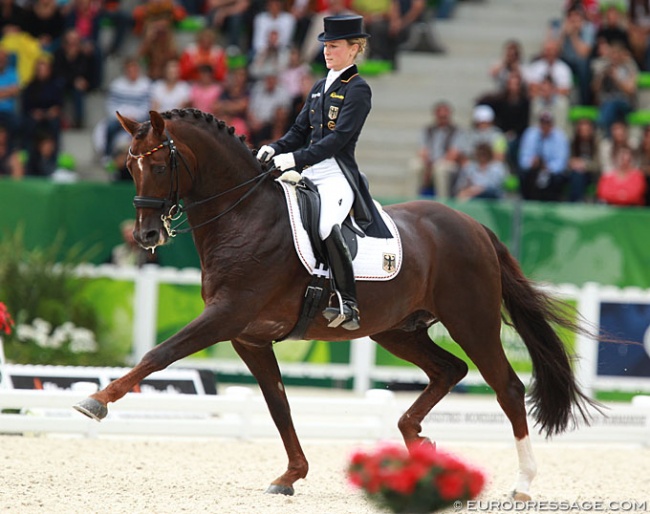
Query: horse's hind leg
{"x": 263, "y": 365}
{"x": 443, "y": 369}
{"x": 480, "y": 338}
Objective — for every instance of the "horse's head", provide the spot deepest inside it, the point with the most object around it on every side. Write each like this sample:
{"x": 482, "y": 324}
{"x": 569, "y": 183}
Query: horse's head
{"x": 153, "y": 162}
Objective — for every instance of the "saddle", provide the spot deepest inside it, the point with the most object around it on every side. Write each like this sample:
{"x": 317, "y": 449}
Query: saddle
{"x": 375, "y": 259}
{"x": 310, "y": 205}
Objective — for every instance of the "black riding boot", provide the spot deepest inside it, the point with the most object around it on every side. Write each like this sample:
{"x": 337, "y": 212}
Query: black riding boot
{"x": 340, "y": 262}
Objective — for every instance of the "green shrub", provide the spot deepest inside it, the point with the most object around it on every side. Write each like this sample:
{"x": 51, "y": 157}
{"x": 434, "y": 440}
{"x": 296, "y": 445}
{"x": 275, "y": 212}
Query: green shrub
{"x": 55, "y": 324}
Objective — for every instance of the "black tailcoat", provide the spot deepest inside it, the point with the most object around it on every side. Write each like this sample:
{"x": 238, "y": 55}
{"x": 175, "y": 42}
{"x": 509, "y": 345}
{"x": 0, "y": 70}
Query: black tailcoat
{"x": 329, "y": 125}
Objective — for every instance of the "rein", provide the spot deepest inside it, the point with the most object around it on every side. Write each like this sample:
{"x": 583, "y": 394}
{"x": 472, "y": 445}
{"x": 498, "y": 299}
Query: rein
{"x": 172, "y": 205}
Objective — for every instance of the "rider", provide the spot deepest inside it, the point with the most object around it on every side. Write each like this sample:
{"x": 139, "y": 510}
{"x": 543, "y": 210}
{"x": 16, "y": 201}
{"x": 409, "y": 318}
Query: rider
{"x": 321, "y": 145}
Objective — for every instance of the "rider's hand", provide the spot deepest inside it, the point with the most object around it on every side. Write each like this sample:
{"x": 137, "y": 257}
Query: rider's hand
{"x": 284, "y": 161}
{"x": 265, "y": 153}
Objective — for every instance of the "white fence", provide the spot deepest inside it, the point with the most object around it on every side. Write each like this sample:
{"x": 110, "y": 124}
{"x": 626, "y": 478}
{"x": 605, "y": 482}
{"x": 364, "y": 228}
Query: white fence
{"x": 241, "y": 413}
{"x": 362, "y": 368}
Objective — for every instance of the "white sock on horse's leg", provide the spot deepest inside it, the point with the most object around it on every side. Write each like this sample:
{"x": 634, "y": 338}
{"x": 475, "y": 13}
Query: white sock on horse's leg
{"x": 527, "y": 469}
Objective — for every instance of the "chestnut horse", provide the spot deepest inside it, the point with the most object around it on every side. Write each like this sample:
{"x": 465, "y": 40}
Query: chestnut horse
{"x": 455, "y": 271}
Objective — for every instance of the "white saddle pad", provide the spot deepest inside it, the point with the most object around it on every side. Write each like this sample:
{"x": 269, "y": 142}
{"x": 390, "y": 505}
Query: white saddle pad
{"x": 376, "y": 259}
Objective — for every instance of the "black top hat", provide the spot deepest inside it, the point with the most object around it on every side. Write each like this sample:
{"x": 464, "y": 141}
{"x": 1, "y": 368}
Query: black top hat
{"x": 345, "y": 26}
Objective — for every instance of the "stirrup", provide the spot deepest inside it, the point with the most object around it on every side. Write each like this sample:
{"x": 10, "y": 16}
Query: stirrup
{"x": 346, "y": 315}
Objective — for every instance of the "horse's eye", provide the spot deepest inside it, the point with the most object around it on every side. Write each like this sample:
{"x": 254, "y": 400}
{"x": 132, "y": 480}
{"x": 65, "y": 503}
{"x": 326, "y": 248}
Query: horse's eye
{"x": 159, "y": 169}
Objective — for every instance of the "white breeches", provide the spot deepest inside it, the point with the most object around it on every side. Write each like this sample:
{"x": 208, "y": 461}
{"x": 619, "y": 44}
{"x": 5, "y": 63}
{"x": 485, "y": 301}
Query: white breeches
{"x": 335, "y": 193}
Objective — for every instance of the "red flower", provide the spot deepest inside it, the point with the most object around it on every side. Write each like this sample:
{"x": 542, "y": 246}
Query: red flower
{"x": 451, "y": 485}
{"x": 418, "y": 480}
{"x": 5, "y": 319}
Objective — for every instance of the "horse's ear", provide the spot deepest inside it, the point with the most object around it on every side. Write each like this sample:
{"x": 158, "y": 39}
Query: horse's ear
{"x": 157, "y": 123}
{"x": 131, "y": 126}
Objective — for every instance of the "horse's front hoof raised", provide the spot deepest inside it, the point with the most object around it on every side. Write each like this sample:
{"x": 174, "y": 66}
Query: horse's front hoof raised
{"x": 521, "y": 497}
{"x": 287, "y": 490}
{"x": 92, "y": 408}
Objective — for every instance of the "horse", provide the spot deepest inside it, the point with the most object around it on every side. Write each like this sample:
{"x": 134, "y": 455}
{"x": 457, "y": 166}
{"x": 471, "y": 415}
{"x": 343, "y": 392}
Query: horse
{"x": 455, "y": 271}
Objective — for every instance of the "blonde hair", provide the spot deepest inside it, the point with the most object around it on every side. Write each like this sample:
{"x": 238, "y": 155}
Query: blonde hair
{"x": 361, "y": 41}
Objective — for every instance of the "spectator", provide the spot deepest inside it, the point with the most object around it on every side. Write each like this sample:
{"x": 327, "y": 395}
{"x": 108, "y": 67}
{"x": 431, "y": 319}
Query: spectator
{"x": 45, "y": 21}
{"x": 42, "y": 105}
{"x": 615, "y": 86}
{"x": 440, "y": 152}
{"x": 130, "y": 94}
{"x": 158, "y": 46}
{"x": 578, "y": 37}
{"x": 584, "y": 165}
{"x": 404, "y": 14}
{"x": 171, "y": 92}
{"x": 625, "y": 185}
{"x": 377, "y": 19}
{"x": 543, "y": 161}
{"x": 643, "y": 159}
{"x": 549, "y": 99}
{"x": 484, "y": 131}
{"x": 205, "y": 91}
{"x": 274, "y": 18}
{"x": 235, "y": 98}
{"x": 13, "y": 17}
{"x": 203, "y": 51}
{"x": 512, "y": 113}
{"x": 273, "y": 59}
{"x": 612, "y": 28}
{"x": 43, "y": 159}
{"x": 302, "y": 11}
{"x": 9, "y": 94}
{"x": 229, "y": 17}
{"x": 120, "y": 22}
{"x": 11, "y": 164}
{"x": 84, "y": 16}
{"x": 609, "y": 146}
{"x": 268, "y": 111}
{"x": 512, "y": 60}
{"x": 292, "y": 78}
{"x": 482, "y": 177}
{"x": 639, "y": 31}
{"x": 549, "y": 64}
{"x": 157, "y": 12}
{"x": 73, "y": 62}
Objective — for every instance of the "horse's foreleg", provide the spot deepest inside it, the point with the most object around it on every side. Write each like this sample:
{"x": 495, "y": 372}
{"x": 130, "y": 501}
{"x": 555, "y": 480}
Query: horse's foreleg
{"x": 197, "y": 335}
{"x": 443, "y": 369}
{"x": 263, "y": 365}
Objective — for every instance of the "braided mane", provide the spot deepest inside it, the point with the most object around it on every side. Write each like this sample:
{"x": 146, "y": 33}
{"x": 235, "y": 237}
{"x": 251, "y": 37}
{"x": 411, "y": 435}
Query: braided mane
{"x": 193, "y": 116}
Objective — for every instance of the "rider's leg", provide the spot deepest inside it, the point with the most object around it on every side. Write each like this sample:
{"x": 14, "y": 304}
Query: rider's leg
{"x": 340, "y": 263}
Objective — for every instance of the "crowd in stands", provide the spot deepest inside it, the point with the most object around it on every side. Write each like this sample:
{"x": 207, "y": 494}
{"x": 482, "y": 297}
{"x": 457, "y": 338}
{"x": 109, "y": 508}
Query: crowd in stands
{"x": 523, "y": 139}
{"x": 251, "y": 64}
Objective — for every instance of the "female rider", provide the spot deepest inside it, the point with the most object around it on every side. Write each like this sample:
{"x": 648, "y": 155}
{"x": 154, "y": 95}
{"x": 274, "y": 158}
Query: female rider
{"x": 321, "y": 145}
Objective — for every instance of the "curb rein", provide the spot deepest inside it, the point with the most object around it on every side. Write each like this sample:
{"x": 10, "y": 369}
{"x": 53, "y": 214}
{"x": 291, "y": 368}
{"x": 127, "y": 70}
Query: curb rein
{"x": 171, "y": 204}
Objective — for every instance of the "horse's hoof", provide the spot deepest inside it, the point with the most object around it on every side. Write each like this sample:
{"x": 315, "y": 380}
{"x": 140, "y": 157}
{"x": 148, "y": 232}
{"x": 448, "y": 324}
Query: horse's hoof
{"x": 287, "y": 490}
{"x": 92, "y": 408}
{"x": 521, "y": 497}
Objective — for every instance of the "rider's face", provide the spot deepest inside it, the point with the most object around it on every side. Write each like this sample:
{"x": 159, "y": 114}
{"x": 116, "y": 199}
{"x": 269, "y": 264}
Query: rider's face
{"x": 339, "y": 54}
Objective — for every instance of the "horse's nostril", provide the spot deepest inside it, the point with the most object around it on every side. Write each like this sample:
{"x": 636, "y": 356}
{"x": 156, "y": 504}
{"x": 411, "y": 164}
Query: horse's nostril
{"x": 151, "y": 236}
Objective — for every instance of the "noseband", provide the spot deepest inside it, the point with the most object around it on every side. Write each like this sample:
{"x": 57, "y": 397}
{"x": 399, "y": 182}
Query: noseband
{"x": 171, "y": 207}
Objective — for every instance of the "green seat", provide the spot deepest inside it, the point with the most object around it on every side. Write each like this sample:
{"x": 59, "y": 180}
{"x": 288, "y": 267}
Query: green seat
{"x": 373, "y": 67}
{"x": 511, "y": 184}
{"x": 579, "y": 112}
{"x": 191, "y": 23}
{"x": 643, "y": 80}
{"x": 639, "y": 118}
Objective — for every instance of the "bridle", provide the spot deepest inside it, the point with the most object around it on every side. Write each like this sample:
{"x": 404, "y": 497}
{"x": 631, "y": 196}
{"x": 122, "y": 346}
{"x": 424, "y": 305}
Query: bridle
{"x": 171, "y": 205}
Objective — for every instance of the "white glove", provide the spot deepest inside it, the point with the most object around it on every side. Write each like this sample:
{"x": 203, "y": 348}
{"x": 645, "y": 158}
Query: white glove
{"x": 265, "y": 153}
{"x": 284, "y": 161}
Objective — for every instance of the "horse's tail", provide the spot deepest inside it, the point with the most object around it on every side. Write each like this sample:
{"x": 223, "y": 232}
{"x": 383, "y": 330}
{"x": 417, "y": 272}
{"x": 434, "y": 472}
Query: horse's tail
{"x": 554, "y": 394}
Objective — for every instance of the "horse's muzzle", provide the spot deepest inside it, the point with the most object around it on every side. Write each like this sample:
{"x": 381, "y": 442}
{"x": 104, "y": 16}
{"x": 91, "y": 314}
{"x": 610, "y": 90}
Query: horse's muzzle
{"x": 150, "y": 238}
